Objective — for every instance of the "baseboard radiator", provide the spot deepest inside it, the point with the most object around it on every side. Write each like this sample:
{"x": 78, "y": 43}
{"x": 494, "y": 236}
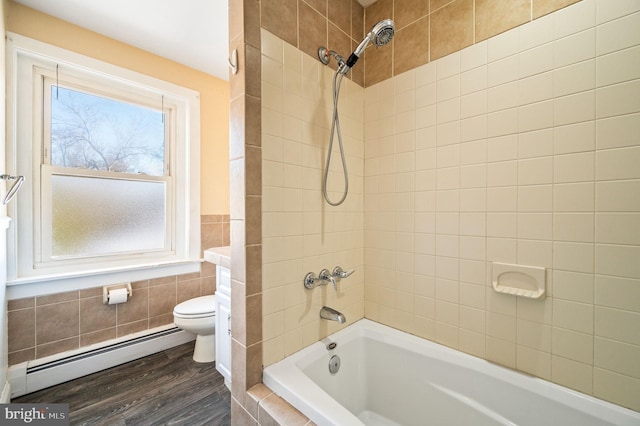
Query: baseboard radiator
{"x": 35, "y": 375}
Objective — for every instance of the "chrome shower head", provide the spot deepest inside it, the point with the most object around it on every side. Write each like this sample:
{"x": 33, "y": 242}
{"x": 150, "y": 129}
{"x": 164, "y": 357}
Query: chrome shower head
{"x": 380, "y": 34}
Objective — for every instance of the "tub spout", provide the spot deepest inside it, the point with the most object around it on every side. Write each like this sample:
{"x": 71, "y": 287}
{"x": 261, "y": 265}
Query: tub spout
{"x": 332, "y": 315}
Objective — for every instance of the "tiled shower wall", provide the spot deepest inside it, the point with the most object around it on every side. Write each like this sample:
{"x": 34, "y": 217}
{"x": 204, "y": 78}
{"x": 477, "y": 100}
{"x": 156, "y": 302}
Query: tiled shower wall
{"x": 300, "y": 232}
{"x": 46, "y": 325}
{"x": 430, "y": 29}
{"x": 521, "y": 149}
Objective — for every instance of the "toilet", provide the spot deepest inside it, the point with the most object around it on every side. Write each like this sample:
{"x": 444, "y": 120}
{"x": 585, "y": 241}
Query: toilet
{"x": 198, "y": 316}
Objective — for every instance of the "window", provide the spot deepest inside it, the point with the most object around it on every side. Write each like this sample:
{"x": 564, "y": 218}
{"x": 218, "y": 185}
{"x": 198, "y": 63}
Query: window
{"x": 112, "y": 167}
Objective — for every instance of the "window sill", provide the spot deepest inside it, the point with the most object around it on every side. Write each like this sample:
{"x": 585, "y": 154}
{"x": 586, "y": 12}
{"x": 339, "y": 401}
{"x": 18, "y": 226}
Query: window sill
{"x": 39, "y": 286}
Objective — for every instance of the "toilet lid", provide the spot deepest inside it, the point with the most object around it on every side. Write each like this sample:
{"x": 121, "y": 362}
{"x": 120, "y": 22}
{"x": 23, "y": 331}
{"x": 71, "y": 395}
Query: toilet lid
{"x": 199, "y": 306}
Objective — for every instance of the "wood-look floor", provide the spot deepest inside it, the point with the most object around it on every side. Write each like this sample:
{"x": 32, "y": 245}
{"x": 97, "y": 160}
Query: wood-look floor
{"x": 167, "y": 388}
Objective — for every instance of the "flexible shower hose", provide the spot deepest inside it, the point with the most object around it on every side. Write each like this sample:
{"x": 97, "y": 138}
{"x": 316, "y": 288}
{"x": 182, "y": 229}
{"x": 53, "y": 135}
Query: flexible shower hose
{"x": 335, "y": 128}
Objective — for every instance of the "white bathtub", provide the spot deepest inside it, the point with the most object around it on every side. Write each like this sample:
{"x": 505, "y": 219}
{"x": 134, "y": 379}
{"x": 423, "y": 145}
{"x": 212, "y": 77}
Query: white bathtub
{"x": 388, "y": 377}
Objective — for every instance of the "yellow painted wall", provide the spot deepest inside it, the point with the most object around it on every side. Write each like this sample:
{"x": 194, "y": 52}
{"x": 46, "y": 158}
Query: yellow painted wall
{"x": 214, "y": 93}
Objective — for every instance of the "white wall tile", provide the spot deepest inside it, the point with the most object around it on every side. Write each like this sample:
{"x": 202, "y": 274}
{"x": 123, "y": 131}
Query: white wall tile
{"x": 473, "y": 104}
{"x": 623, "y": 326}
{"x": 575, "y": 78}
{"x": 536, "y": 88}
{"x": 473, "y": 128}
{"x": 536, "y": 33}
{"x": 535, "y": 198}
{"x": 575, "y": 18}
{"x": 614, "y": 196}
{"x": 575, "y": 108}
{"x": 448, "y": 133}
{"x": 572, "y": 374}
{"x": 612, "y": 386}
{"x": 448, "y": 88}
{"x": 474, "y": 224}
{"x": 502, "y": 173}
{"x": 620, "y": 261}
{"x": 502, "y": 225}
{"x": 618, "y": 99}
{"x": 535, "y": 61}
{"x": 618, "y": 34}
{"x": 618, "y": 67}
{"x": 617, "y": 356}
{"x": 502, "y": 122}
{"x": 502, "y": 71}
{"x": 473, "y": 80}
{"x": 615, "y": 292}
{"x": 572, "y": 345}
{"x": 618, "y": 132}
{"x": 621, "y": 163}
{"x": 574, "y": 197}
{"x": 577, "y": 167}
{"x": 574, "y": 138}
{"x": 448, "y": 66}
{"x": 575, "y": 48}
{"x": 535, "y": 116}
{"x": 575, "y": 227}
{"x": 535, "y": 226}
{"x": 426, "y": 95}
{"x": 502, "y": 97}
{"x": 502, "y": 148}
{"x": 535, "y": 171}
{"x": 473, "y": 56}
{"x": 538, "y": 143}
{"x": 502, "y": 45}
{"x": 574, "y": 286}
{"x": 473, "y": 152}
{"x": 577, "y": 257}
{"x": 448, "y": 111}
{"x": 607, "y": 11}
{"x": 573, "y": 315}
{"x": 502, "y": 199}
{"x": 473, "y": 200}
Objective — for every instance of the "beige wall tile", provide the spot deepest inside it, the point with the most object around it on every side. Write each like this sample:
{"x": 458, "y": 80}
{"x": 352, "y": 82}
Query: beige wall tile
{"x": 572, "y": 374}
{"x": 56, "y": 322}
{"x": 411, "y": 46}
{"x": 496, "y": 16}
{"x": 451, "y": 28}
{"x": 617, "y": 388}
{"x": 543, "y": 7}
{"x": 312, "y": 29}
{"x": 280, "y": 18}
{"x": 407, "y": 12}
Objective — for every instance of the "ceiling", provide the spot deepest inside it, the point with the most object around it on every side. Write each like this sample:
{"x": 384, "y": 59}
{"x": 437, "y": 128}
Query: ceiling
{"x": 191, "y": 32}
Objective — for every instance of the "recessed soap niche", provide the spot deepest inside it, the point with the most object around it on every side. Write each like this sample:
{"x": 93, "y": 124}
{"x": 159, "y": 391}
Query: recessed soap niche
{"x": 519, "y": 280}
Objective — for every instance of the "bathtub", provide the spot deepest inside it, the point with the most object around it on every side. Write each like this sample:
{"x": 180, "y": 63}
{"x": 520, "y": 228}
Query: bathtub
{"x": 387, "y": 377}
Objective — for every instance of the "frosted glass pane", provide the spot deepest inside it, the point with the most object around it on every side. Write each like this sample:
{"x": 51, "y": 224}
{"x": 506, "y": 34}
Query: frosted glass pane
{"x": 96, "y": 216}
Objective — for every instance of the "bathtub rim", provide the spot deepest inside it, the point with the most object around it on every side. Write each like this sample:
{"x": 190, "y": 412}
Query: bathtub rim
{"x": 292, "y": 368}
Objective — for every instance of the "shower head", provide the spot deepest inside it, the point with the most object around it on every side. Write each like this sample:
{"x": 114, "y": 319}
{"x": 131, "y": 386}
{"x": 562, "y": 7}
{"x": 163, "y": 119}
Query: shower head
{"x": 380, "y": 34}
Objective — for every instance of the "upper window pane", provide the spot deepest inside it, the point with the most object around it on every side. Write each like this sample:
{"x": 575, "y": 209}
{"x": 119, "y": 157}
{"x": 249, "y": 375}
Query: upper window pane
{"x": 97, "y": 133}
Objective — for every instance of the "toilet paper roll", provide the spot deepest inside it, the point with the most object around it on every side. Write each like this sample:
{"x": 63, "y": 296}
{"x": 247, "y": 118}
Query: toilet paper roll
{"x": 118, "y": 295}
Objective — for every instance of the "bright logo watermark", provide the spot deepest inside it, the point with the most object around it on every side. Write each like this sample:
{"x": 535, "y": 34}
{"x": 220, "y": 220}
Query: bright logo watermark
{"x": 34, "y": 414}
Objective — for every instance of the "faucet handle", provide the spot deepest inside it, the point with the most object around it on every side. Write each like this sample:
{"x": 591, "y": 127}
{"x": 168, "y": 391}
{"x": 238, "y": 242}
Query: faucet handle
{"x": 325, "y": 275}
{"x": 311, "y": 281}
{"x": 339, "y": 273}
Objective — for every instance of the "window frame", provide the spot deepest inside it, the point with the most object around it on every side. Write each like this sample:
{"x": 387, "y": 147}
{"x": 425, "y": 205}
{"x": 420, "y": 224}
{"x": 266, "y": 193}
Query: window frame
{"x": 25, "y": 141}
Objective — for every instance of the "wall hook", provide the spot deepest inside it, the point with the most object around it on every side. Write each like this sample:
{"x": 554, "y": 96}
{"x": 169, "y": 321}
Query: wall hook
{"x": 233, "y": 62}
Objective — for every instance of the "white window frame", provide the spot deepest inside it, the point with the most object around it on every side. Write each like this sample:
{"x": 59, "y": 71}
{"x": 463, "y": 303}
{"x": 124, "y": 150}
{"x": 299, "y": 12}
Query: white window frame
{"x": 27, "y": 274}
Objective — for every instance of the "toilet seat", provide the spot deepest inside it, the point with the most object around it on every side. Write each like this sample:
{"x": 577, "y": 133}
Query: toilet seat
{"x": 199, "y": 307}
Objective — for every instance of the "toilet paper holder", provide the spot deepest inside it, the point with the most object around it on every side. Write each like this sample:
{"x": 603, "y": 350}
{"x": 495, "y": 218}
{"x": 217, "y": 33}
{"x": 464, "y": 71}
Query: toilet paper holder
{"x": 107, "y": 289}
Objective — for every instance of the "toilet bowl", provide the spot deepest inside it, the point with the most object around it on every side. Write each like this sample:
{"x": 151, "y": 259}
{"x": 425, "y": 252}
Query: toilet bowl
{"x": 198, "y": 316}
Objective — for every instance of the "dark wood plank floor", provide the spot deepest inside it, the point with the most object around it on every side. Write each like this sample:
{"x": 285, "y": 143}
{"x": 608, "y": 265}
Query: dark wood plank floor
{"x": 167, "y": 388}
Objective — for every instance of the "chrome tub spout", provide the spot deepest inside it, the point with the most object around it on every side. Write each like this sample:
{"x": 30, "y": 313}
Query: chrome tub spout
{"x": 332, "y": 315}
